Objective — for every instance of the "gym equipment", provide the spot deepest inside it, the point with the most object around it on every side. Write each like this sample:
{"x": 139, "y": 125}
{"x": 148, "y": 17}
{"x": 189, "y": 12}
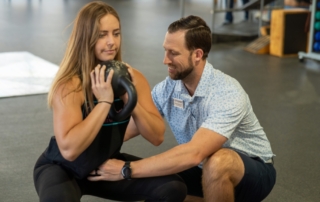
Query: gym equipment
{"x": 316, "y": 46}
{"x": 313, "y": 51}
{"x": 317, "y": 26}
{"x": 121, "y": 84}
{"x": 317, "y": 36}
{"x": 259, "y": 46}
{"x": 288, "y": 33}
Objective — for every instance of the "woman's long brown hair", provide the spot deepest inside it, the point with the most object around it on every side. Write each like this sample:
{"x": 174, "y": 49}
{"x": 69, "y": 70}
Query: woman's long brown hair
{"x": 79, "y": 58}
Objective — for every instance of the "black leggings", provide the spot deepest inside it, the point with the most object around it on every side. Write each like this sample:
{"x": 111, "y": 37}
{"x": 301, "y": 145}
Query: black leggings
{"x": 53, "y": 183}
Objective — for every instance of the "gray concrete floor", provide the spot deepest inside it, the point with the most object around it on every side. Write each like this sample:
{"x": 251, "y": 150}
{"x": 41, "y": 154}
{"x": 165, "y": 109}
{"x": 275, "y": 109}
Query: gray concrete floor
{"x": 285, "y": 94}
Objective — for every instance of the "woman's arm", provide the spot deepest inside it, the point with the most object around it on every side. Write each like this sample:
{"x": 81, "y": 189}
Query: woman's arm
{"x": 73, "y": 134}
{"x": 146, "y": 119}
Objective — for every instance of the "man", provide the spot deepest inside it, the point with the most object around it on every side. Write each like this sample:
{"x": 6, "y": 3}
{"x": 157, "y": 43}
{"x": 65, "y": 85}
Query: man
{"x": 223, "y": 152}
{"x": 229, "y": 14}
{"x": 292, "y": 4}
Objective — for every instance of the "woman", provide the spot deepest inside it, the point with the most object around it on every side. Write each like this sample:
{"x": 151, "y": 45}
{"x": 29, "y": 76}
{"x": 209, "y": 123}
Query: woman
{"x": 84, "y": 134}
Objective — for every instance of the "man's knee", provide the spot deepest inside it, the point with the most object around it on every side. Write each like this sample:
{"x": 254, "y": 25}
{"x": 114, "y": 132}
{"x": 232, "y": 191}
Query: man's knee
{"x": 222, "y": 160}
{"x": 224, "y": 163}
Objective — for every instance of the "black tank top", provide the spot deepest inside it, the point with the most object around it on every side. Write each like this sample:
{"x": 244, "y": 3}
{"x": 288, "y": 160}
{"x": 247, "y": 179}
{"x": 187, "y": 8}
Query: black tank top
{"x": 107, "y": 144}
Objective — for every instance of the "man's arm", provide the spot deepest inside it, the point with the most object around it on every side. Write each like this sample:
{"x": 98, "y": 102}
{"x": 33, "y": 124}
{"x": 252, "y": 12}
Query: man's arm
{"x": 203, "y": 144}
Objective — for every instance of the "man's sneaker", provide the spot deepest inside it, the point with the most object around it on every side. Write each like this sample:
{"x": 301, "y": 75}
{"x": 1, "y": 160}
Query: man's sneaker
{"x": 227, "y": 23}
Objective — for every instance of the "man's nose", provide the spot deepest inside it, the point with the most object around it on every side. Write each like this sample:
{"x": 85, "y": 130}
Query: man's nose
{"x": 166, "y": 59}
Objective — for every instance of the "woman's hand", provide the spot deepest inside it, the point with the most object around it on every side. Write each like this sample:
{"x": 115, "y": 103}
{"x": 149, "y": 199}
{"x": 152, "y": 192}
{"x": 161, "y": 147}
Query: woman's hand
{"x": 130, "y": 70}
{"x": 101, "y": 87}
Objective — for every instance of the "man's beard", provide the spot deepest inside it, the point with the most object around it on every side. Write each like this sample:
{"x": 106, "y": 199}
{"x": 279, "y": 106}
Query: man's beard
{"x": 184, "y": 73}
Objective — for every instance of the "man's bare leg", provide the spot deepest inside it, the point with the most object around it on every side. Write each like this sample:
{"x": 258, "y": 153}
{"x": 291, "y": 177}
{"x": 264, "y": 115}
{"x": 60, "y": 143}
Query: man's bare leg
{"x": 221, "y": 173}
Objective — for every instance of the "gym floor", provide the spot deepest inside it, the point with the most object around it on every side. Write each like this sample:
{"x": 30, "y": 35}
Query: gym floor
{"x": 285, "y": 93}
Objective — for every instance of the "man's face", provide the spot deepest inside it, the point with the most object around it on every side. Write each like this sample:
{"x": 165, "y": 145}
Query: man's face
{"x": 177, "y": 57}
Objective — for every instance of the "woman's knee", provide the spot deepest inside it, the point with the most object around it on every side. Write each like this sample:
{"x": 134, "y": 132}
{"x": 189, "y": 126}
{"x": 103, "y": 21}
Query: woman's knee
{"x": 173, "y": 190}
{"x": 53, "y": 183}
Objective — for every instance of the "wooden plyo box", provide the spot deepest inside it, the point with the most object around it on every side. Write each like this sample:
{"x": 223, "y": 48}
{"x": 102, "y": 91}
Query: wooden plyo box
{"x": 265, "y": 30}
{"x": 289, "y": 32}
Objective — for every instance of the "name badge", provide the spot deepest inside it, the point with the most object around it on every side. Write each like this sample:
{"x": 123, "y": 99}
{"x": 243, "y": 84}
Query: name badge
{"x": 178, "y": 103}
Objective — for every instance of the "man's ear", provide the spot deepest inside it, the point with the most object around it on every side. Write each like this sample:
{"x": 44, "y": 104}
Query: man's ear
{"x": 198, "y": 54}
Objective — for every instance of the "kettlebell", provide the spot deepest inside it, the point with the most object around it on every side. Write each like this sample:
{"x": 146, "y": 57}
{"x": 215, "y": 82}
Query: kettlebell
{"x": 121, "y": 83}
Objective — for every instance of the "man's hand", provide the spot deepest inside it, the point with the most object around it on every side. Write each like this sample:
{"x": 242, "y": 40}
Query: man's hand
{"x": 108, "y": 171}
{"x": 124, "y": 97}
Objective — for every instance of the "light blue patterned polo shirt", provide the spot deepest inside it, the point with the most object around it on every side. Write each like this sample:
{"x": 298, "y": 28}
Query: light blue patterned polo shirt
{"x": 219, "y": 104}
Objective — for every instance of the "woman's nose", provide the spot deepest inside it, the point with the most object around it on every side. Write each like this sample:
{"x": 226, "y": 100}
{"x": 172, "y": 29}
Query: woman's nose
{"x": 110, "y": 41}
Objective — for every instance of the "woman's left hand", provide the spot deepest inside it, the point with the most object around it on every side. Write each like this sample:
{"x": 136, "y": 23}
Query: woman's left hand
{"x": 108, "y": 171}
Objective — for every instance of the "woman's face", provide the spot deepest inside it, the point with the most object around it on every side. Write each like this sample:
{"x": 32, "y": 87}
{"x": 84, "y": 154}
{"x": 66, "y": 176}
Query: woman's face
{"x": 109, "y": 40}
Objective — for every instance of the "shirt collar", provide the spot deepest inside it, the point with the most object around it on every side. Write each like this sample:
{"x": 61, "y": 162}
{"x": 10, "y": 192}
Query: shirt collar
{"x": 202, "y": 86}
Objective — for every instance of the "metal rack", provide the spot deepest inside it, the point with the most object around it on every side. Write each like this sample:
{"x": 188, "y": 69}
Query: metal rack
{"x": 312, "y": 52}
{"x": 251, "y": 5}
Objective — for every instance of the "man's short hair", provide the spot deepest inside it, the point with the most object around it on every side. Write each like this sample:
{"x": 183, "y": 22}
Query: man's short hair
{"x": 198, "y": 34}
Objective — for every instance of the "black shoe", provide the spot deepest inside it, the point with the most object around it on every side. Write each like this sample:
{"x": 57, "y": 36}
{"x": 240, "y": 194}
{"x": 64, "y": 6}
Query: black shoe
{"x": 227, "y": 23}
{"x": 244, "y": 21}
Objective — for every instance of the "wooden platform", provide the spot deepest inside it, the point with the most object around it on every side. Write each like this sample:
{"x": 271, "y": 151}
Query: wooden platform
{"x": 243, "y": 31}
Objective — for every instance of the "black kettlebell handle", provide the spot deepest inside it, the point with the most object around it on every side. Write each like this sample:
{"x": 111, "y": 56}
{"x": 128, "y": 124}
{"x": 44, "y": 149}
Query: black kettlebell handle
{"x": 130, "y": 105}
{"x": 121, "y": 83}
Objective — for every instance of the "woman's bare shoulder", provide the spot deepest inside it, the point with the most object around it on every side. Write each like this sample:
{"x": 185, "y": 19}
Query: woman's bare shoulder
{"x": 70, "y": 91}
{"x": 139, "y": 75}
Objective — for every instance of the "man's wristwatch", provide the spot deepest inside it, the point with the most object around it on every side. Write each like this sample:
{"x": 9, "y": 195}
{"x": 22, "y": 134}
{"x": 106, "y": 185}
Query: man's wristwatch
{"x": 126, "y": 171}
